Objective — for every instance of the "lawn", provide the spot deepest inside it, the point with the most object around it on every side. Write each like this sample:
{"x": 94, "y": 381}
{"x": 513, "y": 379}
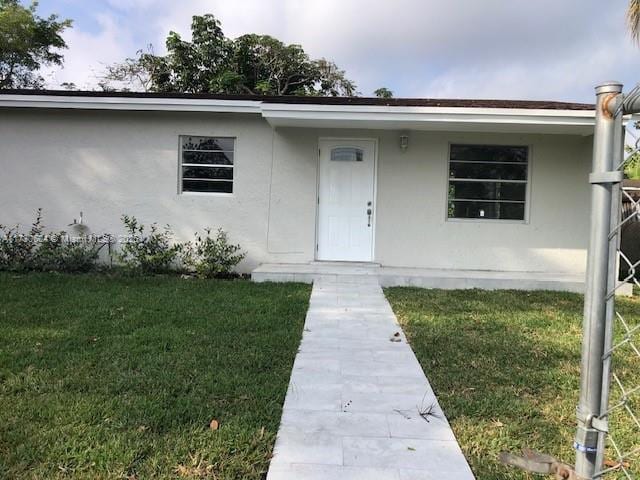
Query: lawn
{"x": 115, "y": 377}
{"x": 505, "y": 366}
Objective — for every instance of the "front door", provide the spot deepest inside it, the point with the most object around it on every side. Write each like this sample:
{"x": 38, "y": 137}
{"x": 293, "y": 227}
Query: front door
{"x": 346, "y": 203}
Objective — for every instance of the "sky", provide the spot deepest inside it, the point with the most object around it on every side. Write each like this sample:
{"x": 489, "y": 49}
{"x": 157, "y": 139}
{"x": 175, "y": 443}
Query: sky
{"x": 508, "y": 49}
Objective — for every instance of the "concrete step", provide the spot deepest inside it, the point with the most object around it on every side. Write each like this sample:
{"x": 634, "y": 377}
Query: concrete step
{"x": 422, "y": 277}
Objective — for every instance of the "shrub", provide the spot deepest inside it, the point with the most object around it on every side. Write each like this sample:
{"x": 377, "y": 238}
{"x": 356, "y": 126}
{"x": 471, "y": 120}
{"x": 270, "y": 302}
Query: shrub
{"x": 143, "y": 251}
{"x": 47, "y": 252}
{"x": 148, "y": 253}
{"x": 18, "y": 250}
{"x": 60, "y": 253}
{"x": 213, "y": 256}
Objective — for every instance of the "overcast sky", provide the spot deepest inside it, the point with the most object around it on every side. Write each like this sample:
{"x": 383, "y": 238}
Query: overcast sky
{"x": 540, "y": 49}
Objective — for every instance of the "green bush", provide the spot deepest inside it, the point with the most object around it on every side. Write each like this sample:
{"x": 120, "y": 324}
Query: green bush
{"x": 18, "y": 250}
{"x": 60, "y": 253}
{"x": 212, "y": 257}
{"x": 632, "y": 166}
{"x": 143, "y": 251}
{"x": 151, "y": 252}
{"x": 52, "y": 252}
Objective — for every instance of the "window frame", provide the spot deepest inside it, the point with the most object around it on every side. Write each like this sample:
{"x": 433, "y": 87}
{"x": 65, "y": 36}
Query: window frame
{"x": 527, "y": 199}
{"x": 181, "y": 191}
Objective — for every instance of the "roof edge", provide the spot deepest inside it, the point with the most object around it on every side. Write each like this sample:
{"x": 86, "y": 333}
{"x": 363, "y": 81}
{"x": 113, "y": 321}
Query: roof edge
{"x": 177, "y": 98}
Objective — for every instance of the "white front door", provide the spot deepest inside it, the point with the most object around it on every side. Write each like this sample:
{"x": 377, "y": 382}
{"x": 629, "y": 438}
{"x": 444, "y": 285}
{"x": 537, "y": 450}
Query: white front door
{"x": 346, "y": 203}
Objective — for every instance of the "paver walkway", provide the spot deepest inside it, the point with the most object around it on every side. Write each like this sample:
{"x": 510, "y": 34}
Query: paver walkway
{"x": 354, "y": 404}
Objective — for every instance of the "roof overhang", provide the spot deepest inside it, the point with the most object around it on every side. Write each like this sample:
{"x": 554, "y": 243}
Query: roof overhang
{"x": 463, "y": 119}
{"x": 578, "y": 122}
{"x": 130, "y": 103}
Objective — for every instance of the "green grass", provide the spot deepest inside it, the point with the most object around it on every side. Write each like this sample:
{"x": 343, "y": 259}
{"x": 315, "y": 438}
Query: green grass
{"x": 112, "y": 377}
{"x": 505, "y": 366}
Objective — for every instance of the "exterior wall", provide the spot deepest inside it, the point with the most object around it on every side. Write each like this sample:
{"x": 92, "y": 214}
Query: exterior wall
{"x": 411, "y": 208}
{"x": 554, "y": 238}
{"x": 109, "y": 163}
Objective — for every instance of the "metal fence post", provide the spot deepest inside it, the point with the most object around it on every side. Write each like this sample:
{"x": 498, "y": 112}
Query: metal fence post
{"x": 612, "y": 283}
{"x": 589, "y": 406}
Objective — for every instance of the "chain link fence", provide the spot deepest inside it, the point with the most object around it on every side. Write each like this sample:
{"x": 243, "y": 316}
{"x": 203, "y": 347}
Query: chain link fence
{"x": 608, "y": 435}
{"x": 619, "y": 452}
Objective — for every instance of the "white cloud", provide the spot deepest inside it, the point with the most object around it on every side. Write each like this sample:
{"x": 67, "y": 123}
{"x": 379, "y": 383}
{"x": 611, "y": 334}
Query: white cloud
{"x": 563, "y": 77}
{"x": 88, "y": 53}
{"x": 542, "y": 49}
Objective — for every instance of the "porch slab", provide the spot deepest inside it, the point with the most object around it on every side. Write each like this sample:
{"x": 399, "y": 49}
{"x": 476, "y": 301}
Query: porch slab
{"x": 419, "y": 277}
{"x": 359, "y": 405}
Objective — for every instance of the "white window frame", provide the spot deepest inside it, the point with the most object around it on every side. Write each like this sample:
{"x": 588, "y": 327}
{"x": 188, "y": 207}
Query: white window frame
{"x": 527, "y": 202}
{"x": 181, "y": 191}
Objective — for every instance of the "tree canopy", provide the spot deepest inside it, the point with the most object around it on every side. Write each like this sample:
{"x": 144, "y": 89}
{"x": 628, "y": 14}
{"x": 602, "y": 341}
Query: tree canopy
{"x": 633, "y": 19}
{"x": 212, "y": 63}
{"x": 383, "y": 92}
{"x": 27, "y": 42}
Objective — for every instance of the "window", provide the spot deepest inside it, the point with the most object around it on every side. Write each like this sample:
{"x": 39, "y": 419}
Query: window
{"x": 488, "y": 182}
{"x": 346, "y": 154}
{"x": 206, "y": 164}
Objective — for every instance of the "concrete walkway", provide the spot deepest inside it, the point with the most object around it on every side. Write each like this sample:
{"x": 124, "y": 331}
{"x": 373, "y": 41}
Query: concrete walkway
{"x": 354, "y": 404}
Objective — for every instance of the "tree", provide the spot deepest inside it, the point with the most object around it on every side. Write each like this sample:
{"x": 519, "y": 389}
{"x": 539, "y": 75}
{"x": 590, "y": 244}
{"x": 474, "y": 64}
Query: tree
{"x": 70, "y": 86}
{"x": 264, "y": 65}
{"x": 250, "y": 64}
{"x": 332, "y": 81}
{"x": 383, "y": 92}
{"x": 134, "y": 73}
{"x": 633, "y": 19}
{"x": 195, "y": 66}
{"x": 632, "y": 164}
{"x": 28, "y": 42}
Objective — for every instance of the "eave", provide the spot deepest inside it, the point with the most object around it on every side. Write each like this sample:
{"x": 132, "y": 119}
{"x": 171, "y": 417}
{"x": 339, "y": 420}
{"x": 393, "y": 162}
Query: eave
{"x": 432, "y": 118}
{"x": 464, "y": 119}
{"x": 130, "y": 103}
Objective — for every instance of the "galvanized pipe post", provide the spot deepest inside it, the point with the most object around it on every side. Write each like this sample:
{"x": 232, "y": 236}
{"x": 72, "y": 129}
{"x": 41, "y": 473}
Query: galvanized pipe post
{"x": 613, "y": 277}
{"x": 602, "y": 178}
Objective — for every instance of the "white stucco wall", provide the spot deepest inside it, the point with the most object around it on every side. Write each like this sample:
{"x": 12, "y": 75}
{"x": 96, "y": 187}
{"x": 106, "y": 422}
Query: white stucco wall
{"x": 554, "y": 238}
{"x": 110, "y": 163}
{"x": 411, "y": 225}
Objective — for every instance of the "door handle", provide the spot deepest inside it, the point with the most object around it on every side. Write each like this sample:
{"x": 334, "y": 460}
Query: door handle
{"x": 369, "y": 212}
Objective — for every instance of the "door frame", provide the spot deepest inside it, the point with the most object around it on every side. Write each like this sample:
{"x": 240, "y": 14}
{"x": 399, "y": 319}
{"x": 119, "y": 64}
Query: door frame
{"x": 375, "y": 194}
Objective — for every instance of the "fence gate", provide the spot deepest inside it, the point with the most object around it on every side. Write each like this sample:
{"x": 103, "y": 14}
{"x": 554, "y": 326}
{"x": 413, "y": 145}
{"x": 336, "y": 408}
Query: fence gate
{"x": 607, "y": 440}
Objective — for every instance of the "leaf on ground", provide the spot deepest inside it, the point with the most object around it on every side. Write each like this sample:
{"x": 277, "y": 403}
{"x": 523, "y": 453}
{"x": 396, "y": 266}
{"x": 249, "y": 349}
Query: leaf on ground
{"x": 214, "y": 424}
{"x": 198, "y": 468}
{"x": 497, "y": 423}
{"x": 616, "y": 464}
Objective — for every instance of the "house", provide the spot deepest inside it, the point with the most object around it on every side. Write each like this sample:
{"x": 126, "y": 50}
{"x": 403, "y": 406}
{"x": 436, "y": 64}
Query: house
{"x": 451, "y": 193}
